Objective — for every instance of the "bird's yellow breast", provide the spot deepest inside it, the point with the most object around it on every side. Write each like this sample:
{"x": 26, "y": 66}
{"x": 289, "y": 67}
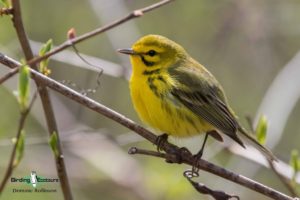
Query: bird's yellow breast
{"x": 156, "y": 109}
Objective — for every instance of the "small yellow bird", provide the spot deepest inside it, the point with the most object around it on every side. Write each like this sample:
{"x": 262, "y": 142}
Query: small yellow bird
{"x": 176, "y": 95}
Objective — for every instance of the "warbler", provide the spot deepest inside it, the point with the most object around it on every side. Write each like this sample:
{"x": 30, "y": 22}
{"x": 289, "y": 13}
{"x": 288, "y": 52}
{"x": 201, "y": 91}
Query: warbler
{"x": 178, "y": 96}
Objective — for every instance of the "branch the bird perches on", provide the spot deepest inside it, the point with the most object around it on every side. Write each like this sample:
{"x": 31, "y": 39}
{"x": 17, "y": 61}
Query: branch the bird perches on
{"x": 169, "y": 148}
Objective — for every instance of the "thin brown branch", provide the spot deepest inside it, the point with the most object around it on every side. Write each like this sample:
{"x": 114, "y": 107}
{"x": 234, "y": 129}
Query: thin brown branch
{"x": 167, "y": 147}
{"x": 189, "y": 174}
{"x": 286, "y": 182}
{"x": 203, "y": 189}
{"x": 70, "y": 42}
{"x": 43, "y": 92}
{"x": 9, "y": 75}
{"x": 134, "y": 150}
{"x": 10, "y": 166}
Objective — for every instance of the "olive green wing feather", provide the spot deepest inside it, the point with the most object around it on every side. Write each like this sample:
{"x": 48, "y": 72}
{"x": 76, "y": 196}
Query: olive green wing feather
{"x": 199, "y": 91}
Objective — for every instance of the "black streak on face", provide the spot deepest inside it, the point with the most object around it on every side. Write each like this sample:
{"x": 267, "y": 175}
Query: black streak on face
{"x": 147, "y": 63}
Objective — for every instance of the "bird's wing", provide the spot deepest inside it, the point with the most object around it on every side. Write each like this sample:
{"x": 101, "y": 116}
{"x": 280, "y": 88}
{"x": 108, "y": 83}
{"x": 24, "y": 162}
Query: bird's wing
{"x": 199, "y": 91}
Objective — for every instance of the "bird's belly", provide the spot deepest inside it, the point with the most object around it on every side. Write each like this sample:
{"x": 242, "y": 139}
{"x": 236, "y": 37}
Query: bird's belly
{"x": 164, "y": 115}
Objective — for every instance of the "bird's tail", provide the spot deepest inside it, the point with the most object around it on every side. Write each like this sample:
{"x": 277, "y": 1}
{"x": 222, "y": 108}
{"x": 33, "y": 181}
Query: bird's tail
{"x": 266, "y": 152}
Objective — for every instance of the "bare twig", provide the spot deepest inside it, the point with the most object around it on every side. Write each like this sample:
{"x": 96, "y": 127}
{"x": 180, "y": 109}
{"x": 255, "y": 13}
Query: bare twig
{"x": 100, "y": 72}
{"x": 189, "y": 174}
{"x": 67, "y": 56}
{"x": 167, "y": 147}
{"x": 203, "y": 189}
{"x": 70, "y": 42}
{"x": 46, "y": 102}
{"x": 134, "y": 150}
{"x": 8, "y": 75}
{"x": 10, "y": 166}
{"x": 286, "y": 182}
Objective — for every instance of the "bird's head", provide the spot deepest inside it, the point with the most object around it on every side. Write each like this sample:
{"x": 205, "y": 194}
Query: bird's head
{"x": 154, "y": 52}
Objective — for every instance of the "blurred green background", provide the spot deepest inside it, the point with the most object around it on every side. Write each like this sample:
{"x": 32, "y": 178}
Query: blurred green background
{"x": 245, "y": 44}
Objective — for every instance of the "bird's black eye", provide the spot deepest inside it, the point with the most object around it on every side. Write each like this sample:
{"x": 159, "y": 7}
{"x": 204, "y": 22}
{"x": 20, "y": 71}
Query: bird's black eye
{"x": 151, "y": 53}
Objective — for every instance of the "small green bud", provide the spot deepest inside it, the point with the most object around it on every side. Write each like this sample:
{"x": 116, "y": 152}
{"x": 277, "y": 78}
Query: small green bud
{"x": 20, "y": 149}
{"x": 261, "y": 129}
{"x": 24, "y": 87}
{"x": 53, "y": 142}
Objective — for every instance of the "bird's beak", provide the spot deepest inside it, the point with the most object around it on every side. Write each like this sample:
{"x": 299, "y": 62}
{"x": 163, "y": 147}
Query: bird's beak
{"x": 127, "y": 51}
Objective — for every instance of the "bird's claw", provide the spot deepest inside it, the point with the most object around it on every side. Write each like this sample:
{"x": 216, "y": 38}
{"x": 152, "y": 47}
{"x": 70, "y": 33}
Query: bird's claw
{"x": 178, "y": 155}
{"x": 160, "y": 140}
{"x": 197, "y": 158}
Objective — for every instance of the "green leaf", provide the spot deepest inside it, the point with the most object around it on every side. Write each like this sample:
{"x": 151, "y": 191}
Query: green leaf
{"x": 295, "y": 160}
{"x": 44, "y": 63}
{"x": 6, "y": 3}
{"x": 53, "y": 142}
{"x": 24, "y": 87}
{"x": 261, "y": 129}
{"x": 295, "y": 164}
{"x": 46, "y": 47}
{"x": 20, "y": 149}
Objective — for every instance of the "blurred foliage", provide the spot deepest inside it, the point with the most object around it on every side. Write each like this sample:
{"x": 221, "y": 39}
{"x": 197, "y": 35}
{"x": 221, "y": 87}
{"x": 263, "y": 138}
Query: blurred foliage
{"x": 5, "y": 3}
{"x": 53, "y": 142}
{"x": 243, "y": 43}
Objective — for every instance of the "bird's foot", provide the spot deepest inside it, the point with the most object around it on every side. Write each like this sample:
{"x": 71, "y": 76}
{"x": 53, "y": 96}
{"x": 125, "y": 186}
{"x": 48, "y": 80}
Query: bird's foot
{"x": 197, "y": 158}
{"x": 160, "y": 140}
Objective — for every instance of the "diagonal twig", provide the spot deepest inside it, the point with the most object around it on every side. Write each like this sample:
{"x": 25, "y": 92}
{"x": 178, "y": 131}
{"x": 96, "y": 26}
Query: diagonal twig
{"x": 9, "y": 75}
{"x": 167, "y": 147}
{"x": 203, "y": 189}
{"x": 286, "y": 182}
{"x": 70, "y": 42}
{"x": 188, "y": 174}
